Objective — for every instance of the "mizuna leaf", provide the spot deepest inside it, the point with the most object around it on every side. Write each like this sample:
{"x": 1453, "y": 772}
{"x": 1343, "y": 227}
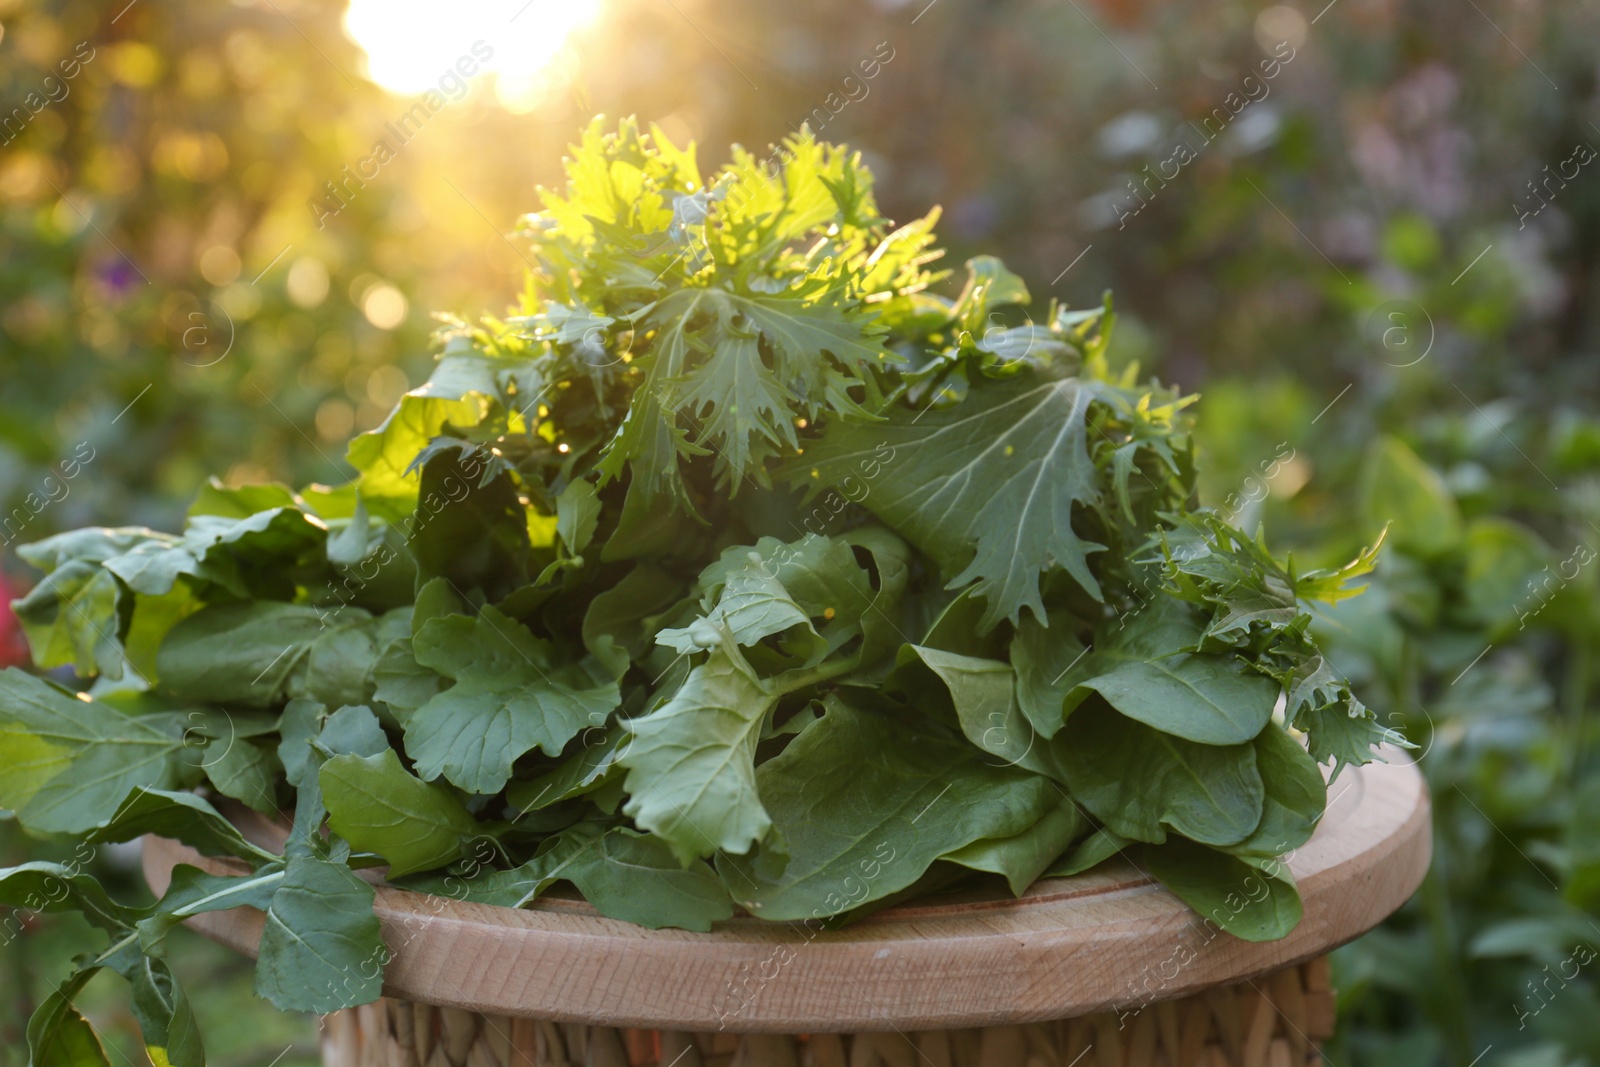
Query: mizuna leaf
{"x": 987, "y": 488}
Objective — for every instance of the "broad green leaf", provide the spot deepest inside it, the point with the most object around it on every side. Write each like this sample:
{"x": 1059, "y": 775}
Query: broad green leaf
{"x": 594, "y": 765}
{"x": 691, "y": 764}
{"x": 58, "y": 887}
{"x": 1021, "y": 858}
{"x": 1141, "y": 782}
{"x": 636, "y": 877}
{"x": 378, "y": 806}
{"x": 193, "y": 892}
{"x": 1248, "y": 902}
{"x": 1143, "y": 669}
{"x": 625, "y": 875}
{"x": 92, "y": 544}
{"x": 1294, "y": 799}
{"x": 852, "y": 838}
{"x": 471, "y": 532}
{"x": 250, "y": 653}
{"x": 71, "y": 619}
{"x": 986, "y": 488}
{"x": 245, "y": 770}
{"x": 1089, "y": 853}
{"x": 577, "y": 515}
{"x": 459, "y": 393}
{"x": 983, "y": 695}
{"x": 620, "y": 623}
{"x": 510, "y": 696}
{"x": 321, "y": 949}
{"x": 1042, "y": 656}
{"x": 182, "y": 817}
{"x": 171, "y": 1035}
{"x": 79, "y": 758}
{"x": 59, "y": 1035}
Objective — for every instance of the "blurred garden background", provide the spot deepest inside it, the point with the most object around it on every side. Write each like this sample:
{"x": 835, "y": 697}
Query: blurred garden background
{"x": 1376, "y": 255}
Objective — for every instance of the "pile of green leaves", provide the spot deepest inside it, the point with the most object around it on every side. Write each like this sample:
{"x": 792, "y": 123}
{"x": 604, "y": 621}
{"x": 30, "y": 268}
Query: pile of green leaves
{"x": 736, "y": 569}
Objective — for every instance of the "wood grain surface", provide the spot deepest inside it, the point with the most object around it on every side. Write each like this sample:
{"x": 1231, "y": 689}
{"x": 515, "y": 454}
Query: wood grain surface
{"x": 1107, "y": 940}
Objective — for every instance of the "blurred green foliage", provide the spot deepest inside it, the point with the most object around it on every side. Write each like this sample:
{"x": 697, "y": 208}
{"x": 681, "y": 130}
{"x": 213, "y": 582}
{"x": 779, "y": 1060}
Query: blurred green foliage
{"x": 1361, "y": 261}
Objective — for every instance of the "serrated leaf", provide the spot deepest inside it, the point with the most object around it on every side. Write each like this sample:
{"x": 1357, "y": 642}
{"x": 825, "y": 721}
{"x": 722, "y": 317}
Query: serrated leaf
{"x": 691, "y": 764}
{"x": 510, "y": 696}
{"x": 987, "y": 488}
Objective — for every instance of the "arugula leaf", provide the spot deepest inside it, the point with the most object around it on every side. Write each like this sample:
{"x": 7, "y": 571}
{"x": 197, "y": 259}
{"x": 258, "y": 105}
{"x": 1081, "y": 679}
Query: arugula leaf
{"x": 250, "y": 652}
{"x": 321, "y": 949}
{"x": 193, "y": 892}
{"x": 510, "y": 696}
{"x": 57, "y": 1033}
{"x": 73, "y": 618}
{"x": 624, "y": 874}
{"x": 72, "y": 762}
{"x": 182, "y": 817}
{"x": 691, "y": 764}
{"x": 987, "y": 488}
{"x": 378, "y": 806}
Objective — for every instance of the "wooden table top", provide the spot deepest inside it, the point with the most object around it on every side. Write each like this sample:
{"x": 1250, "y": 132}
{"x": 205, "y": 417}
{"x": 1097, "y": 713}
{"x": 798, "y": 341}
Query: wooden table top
{"x": 1108, "y": 939}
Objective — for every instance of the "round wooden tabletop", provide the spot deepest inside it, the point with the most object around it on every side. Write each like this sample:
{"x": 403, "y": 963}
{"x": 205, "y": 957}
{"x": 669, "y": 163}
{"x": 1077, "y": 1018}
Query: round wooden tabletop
{"x": 1110, "y": 939}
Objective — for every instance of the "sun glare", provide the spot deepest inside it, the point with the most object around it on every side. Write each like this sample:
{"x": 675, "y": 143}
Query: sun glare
{"x": 413, "y": 46}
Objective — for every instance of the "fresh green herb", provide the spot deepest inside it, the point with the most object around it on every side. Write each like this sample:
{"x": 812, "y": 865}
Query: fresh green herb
{"x": 736, "y": 567}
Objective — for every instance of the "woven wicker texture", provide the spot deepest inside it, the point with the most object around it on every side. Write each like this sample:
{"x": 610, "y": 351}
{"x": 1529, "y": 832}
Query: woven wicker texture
{"x": 1275, "y": 1021}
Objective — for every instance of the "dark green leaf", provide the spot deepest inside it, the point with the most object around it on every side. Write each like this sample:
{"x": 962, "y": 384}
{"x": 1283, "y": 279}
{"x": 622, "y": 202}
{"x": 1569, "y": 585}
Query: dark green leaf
{"x": 1141, "y": 782}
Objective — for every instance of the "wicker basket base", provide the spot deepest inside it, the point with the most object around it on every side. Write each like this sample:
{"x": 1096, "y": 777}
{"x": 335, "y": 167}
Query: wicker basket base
{"x": 1275, "y": 1021}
